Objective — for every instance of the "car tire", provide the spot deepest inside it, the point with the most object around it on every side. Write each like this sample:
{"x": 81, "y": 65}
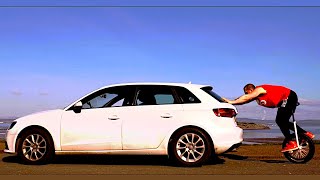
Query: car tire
{"x": 189, "y": 147}
{"x": 35, "y": 147}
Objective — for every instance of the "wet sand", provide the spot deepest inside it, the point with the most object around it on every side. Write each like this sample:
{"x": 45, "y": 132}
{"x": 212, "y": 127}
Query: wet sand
{"x": 248, "y": 159}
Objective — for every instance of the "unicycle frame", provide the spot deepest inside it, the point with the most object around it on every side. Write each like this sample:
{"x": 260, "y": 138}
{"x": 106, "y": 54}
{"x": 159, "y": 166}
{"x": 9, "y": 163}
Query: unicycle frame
{"x": 306, "y": 148}
{"x": 295, "y": 130}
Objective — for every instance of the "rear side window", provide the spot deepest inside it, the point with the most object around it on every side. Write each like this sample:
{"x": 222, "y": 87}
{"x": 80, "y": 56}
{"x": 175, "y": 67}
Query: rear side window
{"x": 213, "y": 94}
{"x": 164, "y": 99}
{"x": 155, "y": 95}
{"x": 185, "y": 96}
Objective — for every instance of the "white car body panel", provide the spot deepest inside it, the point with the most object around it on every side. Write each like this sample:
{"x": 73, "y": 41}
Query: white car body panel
{"x": 155, "y": 120}
{"x": 49, "y": 120}
{"x": 90, "y": 130}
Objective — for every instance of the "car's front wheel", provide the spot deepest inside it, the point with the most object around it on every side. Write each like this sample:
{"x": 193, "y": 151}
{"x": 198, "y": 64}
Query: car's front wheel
{"x": 190, "y": 147}
{"x": 35, "y": 147}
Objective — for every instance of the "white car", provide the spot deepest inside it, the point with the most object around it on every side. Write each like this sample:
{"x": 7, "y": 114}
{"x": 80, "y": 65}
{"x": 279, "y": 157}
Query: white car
{"x": 188, "y": 122}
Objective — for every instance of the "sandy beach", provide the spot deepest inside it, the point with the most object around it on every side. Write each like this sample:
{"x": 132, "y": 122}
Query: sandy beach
{"x": 248, "y": 159}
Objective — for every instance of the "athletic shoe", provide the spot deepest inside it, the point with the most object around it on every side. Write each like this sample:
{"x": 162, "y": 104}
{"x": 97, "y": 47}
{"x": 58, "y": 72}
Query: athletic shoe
{"x": 309, "y": 134}
{"x": 290, "y": 146}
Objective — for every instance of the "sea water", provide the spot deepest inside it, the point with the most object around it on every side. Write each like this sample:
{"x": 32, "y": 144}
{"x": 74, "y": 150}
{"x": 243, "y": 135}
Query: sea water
{"x": 273, "y": 132}
{"x": 4, "y": 125}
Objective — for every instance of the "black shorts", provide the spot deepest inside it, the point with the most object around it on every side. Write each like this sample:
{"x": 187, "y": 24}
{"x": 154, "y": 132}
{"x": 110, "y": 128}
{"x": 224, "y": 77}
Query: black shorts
{"x": 292, "y": 102}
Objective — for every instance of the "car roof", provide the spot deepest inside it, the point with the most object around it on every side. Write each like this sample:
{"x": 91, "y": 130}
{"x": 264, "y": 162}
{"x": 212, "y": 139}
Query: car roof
{"x": 161, "y": 83}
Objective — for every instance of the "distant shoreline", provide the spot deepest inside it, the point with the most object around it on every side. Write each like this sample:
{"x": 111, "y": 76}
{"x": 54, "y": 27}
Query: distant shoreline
{"x": 252, "y": 126}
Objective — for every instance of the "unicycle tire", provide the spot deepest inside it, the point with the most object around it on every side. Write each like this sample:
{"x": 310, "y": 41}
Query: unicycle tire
{"x": 303, "y": 154}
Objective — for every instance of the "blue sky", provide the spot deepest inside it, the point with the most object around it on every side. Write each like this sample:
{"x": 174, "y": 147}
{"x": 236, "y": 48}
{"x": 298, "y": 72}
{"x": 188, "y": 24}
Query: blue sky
{"x": 50, "y": 56}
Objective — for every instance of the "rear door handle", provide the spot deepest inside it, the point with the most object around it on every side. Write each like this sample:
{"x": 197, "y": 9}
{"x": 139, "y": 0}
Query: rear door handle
{"x": 166, "y": 115}
{"x": 113, "y": 117}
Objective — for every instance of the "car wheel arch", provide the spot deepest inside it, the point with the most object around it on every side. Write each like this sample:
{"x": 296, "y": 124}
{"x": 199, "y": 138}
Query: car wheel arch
{"x": 31, "y": 128}
{"x": 193, "y": 127}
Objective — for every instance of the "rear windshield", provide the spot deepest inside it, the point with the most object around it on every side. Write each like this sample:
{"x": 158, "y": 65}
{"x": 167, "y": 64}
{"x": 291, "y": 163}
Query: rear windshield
{"x": 208, "y": 90}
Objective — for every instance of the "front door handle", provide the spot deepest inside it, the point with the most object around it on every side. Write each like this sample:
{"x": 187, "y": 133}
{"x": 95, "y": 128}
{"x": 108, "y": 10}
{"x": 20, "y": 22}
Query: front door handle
{"x": 113, "y": 117}
{"x": 166, "y": 115}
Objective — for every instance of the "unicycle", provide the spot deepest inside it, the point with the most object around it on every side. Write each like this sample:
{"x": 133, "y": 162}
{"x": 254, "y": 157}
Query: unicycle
{"x": 306, "y": 147}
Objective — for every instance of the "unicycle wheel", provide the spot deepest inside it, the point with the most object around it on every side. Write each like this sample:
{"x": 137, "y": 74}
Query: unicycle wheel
{"x": 302, "y": 155}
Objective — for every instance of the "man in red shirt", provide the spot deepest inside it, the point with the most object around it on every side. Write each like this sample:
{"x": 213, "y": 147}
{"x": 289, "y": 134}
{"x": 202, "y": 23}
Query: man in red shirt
{"x": 273, "y": 96}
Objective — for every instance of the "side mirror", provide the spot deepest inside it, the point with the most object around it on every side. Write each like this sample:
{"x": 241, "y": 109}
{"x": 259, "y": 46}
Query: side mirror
{"x": 77, "y": 107}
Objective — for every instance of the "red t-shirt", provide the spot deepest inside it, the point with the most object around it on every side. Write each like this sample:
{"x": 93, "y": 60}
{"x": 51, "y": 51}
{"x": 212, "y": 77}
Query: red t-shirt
{"x": 275, "y": 94}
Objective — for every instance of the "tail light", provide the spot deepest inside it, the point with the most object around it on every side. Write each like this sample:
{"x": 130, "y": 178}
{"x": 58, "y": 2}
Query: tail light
{"x": 225, "y": 112}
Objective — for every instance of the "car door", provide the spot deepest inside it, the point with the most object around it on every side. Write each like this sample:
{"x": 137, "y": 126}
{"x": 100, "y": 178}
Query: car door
{"x": 147, "y": 123}
{"x": 95, "y": 127}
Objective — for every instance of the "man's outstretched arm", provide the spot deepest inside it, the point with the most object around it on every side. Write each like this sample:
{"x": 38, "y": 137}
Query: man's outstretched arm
{"x": 246, "y": 98}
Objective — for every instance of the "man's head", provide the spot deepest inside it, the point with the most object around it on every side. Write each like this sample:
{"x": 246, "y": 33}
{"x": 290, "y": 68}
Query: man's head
{"x": 248, "y": 88}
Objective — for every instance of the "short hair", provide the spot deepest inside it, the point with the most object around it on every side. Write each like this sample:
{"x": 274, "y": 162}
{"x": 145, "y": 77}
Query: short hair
{"x": 248, "y": 86}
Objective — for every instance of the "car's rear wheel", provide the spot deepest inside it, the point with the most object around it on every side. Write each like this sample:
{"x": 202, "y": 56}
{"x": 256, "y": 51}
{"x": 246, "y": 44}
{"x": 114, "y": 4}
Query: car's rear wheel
{"x": 189, "y": 147}
{"x": 35, "y": 146}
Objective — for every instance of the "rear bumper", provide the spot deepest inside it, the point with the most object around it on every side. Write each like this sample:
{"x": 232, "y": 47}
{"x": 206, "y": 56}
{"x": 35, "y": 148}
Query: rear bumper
{"x": 228, "y": 140}
{"x": 233, "y": 147}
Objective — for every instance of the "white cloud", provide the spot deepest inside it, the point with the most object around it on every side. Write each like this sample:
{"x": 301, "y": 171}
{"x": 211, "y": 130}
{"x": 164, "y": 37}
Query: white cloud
{"x": 309, "y": 102}
{"x": 43, "y": 93}
{"x": 16, "y": 92}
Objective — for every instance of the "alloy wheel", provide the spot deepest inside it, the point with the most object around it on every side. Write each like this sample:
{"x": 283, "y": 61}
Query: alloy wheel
{"x": 34, "y": 147}
{"x": 190, "y": 147}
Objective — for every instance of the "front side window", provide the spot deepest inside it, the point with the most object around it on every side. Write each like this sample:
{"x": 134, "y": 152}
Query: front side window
{"x": 99, "y": 101}
{"x": 110, "y": 97}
